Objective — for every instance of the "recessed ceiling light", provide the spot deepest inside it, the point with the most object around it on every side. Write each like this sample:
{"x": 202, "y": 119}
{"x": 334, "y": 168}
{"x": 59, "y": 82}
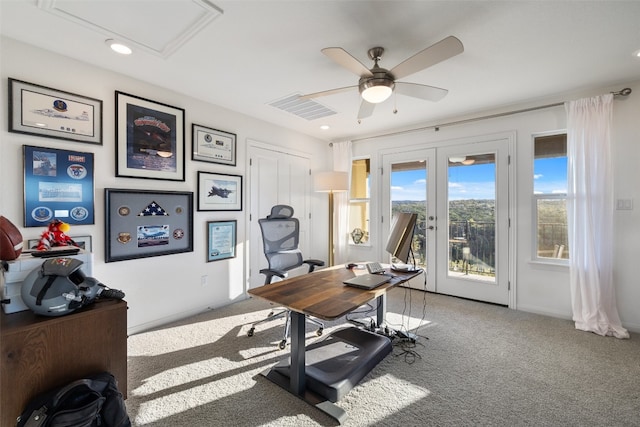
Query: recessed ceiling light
{"x": 324, "y": 127}
{"x": 118, "y": 47}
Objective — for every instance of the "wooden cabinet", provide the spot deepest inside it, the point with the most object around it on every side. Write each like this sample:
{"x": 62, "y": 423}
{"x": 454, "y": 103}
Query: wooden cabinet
{"x": 39, "y": 353}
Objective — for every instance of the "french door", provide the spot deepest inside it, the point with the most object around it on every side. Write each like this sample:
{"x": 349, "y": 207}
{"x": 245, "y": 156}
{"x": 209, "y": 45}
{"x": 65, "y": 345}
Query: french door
{"x": 275, "y": 178}
{"x": 409, "y": 186}
{"x": 461, "y": 195}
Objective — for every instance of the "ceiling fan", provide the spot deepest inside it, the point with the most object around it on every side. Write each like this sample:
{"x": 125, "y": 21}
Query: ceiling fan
{"x": 377, "y": 84}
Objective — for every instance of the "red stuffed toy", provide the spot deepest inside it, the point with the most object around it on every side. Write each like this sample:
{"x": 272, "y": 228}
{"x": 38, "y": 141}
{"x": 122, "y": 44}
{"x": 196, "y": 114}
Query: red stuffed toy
{"x": 55, "y": 235}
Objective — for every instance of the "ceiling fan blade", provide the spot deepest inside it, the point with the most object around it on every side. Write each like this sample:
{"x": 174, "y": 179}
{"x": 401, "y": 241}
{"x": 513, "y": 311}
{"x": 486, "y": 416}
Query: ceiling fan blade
{"x": 328, "y": 92}
{"x": 344, "y": 59}
{"x": 444, "y": 49}
{"x": 366, "y": 109}
{"x": 430, "y": 93}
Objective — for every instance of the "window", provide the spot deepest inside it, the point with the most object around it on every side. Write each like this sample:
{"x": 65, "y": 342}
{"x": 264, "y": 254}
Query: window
{"x": 550, "y": 197}
{"x": 359, "y": 202}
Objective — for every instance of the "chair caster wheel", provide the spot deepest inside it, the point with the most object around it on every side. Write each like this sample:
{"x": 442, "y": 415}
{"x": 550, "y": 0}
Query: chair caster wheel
{"x": 283, "y": 344}
{"x": 250, "y": 332}
{"x": 319, "y": 332}
{"x": 270, "y": 314}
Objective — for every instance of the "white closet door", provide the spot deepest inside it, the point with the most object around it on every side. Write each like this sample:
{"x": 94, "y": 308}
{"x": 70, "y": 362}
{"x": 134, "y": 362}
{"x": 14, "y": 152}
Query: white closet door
{"x": 275, "y": 178}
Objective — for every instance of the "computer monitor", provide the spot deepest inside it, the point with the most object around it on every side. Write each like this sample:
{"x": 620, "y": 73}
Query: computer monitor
{"x": 400, "y": 239}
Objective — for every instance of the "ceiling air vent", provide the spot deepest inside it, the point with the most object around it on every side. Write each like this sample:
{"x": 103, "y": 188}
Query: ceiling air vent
{"x": 305, "y": 108}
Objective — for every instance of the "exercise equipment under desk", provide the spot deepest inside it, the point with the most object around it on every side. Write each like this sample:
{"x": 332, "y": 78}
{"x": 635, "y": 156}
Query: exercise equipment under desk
{"x": 322, "y": 294}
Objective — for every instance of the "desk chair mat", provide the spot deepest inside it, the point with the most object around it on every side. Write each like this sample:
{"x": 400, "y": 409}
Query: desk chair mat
{"x": 336, "y": 364}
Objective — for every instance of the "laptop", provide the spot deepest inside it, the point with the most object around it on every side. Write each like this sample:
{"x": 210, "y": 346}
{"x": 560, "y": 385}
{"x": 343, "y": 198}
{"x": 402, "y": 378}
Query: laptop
{"x": 367, "y": 281}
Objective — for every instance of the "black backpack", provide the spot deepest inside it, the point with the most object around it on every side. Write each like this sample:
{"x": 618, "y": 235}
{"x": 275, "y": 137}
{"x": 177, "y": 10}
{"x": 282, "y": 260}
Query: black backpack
{"x": 88, "y": 402}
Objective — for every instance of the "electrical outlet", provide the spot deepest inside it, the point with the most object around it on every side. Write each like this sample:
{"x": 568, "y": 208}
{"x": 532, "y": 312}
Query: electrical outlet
{"x": 204, "y": 280}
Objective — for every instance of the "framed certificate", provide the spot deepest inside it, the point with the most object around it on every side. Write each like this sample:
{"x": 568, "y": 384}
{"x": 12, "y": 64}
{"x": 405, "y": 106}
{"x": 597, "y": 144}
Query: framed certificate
{"x": 213, "y": 145}
{"x": 221, "y": 240}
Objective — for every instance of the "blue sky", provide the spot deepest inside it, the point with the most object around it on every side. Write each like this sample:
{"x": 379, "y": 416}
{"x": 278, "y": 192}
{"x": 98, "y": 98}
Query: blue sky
{"x": 550, "y": 175}
{"x": 478, "y": 182}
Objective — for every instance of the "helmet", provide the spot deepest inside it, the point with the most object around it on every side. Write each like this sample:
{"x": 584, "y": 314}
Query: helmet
{"x": 58, "y": 287}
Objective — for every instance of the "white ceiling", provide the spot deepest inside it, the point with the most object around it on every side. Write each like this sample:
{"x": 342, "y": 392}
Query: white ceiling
{"x": 256, "y": 52}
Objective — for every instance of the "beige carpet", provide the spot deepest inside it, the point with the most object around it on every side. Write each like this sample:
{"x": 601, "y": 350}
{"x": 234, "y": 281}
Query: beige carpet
{"x": 482, "y": 365}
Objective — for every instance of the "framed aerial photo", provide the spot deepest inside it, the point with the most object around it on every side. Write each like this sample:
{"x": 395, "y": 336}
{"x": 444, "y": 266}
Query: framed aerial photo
{"x": 219, "y": 192}
{"x": 147, "y": 223}
{"x": 44, "y": 111}
{"x": 221, "y": 240}
{"x": 149, "y": 139}
{"x": 58, "y": 184}
{"x": 212, "y": 145}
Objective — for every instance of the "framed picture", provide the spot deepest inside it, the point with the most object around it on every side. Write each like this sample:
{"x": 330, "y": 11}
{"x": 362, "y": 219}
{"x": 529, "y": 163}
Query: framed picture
{"x": 212, "y": 145}
{"x": 147, "y": 223}
{"x": 221, "y": 240}
{"x": 44, "y": 111}
{"x": 149, "y": 139}
{"x": 58, "y": 184}
{"x": 219, "y": 192}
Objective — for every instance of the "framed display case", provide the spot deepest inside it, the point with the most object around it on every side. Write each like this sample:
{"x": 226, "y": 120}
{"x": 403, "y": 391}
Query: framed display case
{"x": 147, "y": 223}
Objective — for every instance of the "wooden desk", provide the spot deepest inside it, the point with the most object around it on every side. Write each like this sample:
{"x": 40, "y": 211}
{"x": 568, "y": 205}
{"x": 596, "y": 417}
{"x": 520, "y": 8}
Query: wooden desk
{"x": 321, "y": 294}
{"x": 38, "y": 353}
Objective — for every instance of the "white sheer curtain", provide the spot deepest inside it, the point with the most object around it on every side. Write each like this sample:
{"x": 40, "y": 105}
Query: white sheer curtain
{"x": 341, "y": 163}
{"x": 590, "y": 207}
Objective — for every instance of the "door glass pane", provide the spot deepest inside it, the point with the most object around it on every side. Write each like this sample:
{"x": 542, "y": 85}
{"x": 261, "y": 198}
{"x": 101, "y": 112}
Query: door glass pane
{"x": 472, "y": 216}
{"x": 409, "y": 194}
{"x": 359, "y": 202}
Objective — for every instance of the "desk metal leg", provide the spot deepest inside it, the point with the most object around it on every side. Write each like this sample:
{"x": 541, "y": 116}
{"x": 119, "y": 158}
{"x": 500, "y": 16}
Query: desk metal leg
{"x": 298, "y": 377}
{"x": 382, "y": 309}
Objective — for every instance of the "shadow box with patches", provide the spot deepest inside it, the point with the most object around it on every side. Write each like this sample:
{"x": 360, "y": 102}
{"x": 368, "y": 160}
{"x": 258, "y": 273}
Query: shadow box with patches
{"x": 147, "y": 223}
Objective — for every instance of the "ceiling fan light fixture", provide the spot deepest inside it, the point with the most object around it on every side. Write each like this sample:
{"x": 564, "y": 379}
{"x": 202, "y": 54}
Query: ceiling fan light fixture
{"x": 376, "y": 90}
{"x": 457, "y": 159}
{"x": 376, "y": 94}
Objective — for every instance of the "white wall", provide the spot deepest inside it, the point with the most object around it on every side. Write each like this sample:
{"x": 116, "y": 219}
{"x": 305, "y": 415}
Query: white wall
{"x": 158, "y": 289}
{"x": 164, "y": 288}
{"x": 541, "y": 288}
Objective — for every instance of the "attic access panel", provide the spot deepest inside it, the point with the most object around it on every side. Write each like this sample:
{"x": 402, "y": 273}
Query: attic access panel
{"x": 159, "y": 27}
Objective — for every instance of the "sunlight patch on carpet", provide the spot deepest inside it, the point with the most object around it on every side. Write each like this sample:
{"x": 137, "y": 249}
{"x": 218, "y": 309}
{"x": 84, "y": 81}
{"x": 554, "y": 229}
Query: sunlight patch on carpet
{"x": 190, "y": 335}
{"x": 186, "y": 375}
{"x": 408, "y": 321}
{"x": 382, "y": 396}
{"x": 184, "y": 388}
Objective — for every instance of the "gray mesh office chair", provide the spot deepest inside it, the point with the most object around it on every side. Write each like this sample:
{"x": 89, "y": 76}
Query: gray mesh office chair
{"x": 280, "y": 238}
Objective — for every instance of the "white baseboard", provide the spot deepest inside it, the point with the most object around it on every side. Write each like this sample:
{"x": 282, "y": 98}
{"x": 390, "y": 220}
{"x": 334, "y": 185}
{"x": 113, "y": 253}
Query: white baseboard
{"x": 632, "y": 327}
{"x": 143, "y": 327}
{"x": 544, "y": 311}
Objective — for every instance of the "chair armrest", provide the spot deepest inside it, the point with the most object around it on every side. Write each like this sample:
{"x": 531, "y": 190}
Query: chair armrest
{"x": 313, "y": 263}
{"x": 270, "y": 272}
